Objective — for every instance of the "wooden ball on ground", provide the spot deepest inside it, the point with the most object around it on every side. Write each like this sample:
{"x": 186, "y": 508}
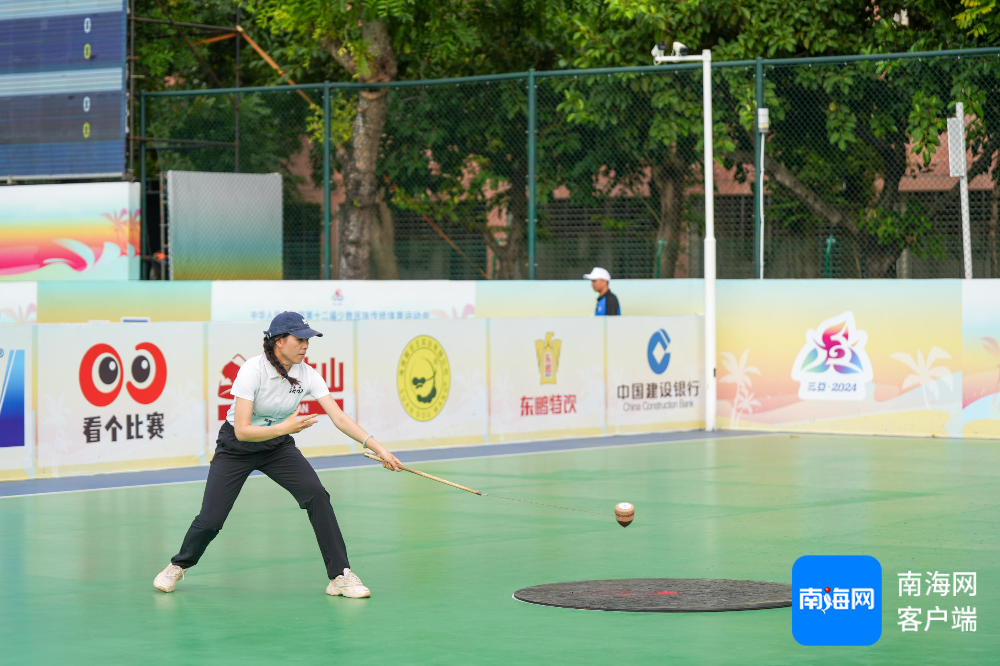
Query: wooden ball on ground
{"x": 624, "y": 513}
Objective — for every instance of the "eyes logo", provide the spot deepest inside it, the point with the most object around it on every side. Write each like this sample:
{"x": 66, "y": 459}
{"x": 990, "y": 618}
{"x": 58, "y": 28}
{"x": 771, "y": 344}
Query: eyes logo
{"x": 102, "y": 375}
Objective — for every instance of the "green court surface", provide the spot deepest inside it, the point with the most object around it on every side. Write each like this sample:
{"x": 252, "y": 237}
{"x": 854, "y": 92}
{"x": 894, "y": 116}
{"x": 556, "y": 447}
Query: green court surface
{"x": 76, "y": 569}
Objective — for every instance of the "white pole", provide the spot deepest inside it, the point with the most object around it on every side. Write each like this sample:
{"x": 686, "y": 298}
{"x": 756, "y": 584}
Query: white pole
{"x": 710, "y": 393}
{"x": 963, "y": 186}
{"x": 763, "y": 144}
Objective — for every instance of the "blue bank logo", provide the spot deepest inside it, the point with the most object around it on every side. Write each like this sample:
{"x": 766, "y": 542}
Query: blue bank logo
{"x": 656, "y": 352}
{"x": 12, "y": 397}
{"x": 837, "y": 600}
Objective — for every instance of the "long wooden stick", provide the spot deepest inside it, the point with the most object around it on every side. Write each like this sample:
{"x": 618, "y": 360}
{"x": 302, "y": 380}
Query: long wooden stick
{"x": 425, "y": 475}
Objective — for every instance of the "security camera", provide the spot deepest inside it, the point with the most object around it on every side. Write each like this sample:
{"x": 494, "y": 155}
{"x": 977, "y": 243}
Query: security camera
{"x": 678, "y": 53}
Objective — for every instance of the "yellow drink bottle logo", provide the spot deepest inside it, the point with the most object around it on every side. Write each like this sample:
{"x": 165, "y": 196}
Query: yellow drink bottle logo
{"x": 547, "y": 351}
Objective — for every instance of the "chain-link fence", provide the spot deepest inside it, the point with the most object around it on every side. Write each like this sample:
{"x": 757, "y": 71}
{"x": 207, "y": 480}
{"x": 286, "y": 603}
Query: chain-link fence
{"x": 480, "y": 178}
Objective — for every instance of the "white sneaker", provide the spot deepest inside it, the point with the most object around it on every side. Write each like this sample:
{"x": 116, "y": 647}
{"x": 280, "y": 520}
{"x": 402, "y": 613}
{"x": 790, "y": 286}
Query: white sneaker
{"x": 349, "y": 585}
{"x": 167, "y": 580}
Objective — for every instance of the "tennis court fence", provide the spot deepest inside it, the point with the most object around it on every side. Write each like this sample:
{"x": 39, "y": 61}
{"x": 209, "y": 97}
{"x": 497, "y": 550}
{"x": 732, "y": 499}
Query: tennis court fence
{"x": 543, "y": 175}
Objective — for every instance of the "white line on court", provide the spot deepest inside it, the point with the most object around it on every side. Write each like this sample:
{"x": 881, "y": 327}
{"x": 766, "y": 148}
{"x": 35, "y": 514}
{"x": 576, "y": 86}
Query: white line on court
{"x": 374, "y": 465}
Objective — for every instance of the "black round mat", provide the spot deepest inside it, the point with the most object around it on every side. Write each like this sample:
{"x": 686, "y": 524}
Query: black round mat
{"x": 660, "y": 595}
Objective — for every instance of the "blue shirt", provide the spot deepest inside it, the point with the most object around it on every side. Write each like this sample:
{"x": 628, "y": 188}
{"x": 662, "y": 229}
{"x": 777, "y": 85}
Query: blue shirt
{"x": 607, "y": 305}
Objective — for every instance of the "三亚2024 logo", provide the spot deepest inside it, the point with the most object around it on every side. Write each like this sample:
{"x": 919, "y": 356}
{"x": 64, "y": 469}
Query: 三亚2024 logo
{"x": 836, "y": 600}
{"x": 833, "y": 364}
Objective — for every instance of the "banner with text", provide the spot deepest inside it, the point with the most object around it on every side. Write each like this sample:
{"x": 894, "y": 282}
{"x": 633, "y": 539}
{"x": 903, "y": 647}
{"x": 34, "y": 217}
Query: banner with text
{"x": 120, "y": 397}
{"x": 842, "y": 356}
{"x": 656, "y": 374}
{"x": 332, "y": 356}
{"x": 546, "y": 378}
{"x": 423, "y": 384}
{"x": 344, "y": 300}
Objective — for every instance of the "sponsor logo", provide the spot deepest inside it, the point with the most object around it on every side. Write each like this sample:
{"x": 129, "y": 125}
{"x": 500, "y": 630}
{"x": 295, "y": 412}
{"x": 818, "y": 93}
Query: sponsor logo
{"x": 102, "y": 374}
{"x": 837, "y": 600}
{"x": 656, "y": 352}
{"x": 423, "y": 378}
{"x": 651, "y": 396}
{"x": 833, "y": 364}
{"x": 332, "y": 373}
{"x": 547, "y": 351}
{"x": 12, "y": 398}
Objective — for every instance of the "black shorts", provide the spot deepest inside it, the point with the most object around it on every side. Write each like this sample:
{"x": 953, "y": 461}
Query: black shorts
{"x": 227, "y": 442}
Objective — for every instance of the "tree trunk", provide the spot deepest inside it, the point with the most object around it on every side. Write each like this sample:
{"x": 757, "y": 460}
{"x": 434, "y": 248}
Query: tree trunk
{"x": 383, "y": 241}
{"x": 360, "y": 209}
{"x": 668, "y": 180}
{"x": 359, "y": 157}
{"x": 880, "y": 260}
{"x": 509, "y": 254}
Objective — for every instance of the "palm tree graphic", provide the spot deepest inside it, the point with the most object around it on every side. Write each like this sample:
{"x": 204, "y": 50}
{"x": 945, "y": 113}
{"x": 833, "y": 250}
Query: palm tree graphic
{"x": 738, "y": 372}
{"x": 120, "y": 223}
{"x": 925, "y": 374}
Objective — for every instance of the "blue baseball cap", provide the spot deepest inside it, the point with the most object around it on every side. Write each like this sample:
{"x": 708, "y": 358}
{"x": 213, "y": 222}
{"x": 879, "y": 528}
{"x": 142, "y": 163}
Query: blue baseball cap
{"x": 291, "y": 323}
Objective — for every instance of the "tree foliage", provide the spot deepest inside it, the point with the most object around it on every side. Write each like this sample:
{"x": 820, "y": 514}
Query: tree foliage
{"x": 845, "y": 136}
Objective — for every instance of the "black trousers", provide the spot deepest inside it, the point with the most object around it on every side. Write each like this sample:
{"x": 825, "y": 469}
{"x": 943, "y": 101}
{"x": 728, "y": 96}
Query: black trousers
{"x": 279, "y": 459}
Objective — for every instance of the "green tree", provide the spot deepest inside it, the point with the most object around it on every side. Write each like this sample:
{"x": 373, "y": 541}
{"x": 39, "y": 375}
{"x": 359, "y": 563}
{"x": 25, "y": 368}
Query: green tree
{"x": 379, "y": 149}
{"x": 458, "y": 154}
{"x": 838, "y": 130}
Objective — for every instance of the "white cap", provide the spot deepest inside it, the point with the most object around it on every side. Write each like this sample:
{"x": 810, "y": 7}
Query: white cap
{"x": 598, "y": 274}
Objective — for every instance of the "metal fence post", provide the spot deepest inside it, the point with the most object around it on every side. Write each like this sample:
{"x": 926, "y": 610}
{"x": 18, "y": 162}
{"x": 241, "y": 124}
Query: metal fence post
{"x": 758, "y": 191}
{"x": 326, "y": 181}
{"x": 143, "y": 249}
{"x": 532, "y": 121}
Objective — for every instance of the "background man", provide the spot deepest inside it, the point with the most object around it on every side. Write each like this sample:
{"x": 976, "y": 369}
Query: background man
{"x": 607, "y": 302}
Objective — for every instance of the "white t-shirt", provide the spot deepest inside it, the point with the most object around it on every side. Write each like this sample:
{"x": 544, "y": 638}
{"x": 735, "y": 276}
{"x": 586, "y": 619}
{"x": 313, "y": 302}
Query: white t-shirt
{"x": 274, "y": 399}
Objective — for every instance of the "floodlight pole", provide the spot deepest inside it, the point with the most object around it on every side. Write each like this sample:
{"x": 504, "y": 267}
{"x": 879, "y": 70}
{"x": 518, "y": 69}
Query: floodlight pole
{"x": 709, "y": 180}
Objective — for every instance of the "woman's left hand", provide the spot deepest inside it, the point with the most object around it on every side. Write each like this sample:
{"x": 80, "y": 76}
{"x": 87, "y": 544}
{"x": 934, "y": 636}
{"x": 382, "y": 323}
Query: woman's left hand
{"x": 389, "y": 461}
